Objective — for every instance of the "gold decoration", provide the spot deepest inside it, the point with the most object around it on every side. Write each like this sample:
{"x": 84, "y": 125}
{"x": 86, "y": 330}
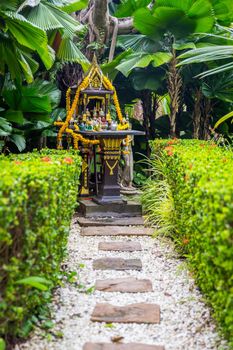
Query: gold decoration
{"x": 96, "y": 79}
{"x": 111, "y": 168}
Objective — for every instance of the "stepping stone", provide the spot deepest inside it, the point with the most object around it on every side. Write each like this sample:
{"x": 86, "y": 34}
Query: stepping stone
{"x": 133, "y": 313}
{"x": 117, "y": 264}
{"x": 132, "y": 346}
{"x": 116, "y": 231}
{"x": 124, "y": 285}
{"x": 98, "y": 221}
{"x": 120, "y": 246}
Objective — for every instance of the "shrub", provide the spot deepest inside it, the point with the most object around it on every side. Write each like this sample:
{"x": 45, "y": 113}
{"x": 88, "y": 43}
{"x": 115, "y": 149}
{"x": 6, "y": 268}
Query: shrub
{"x": 199, "y": 175}
{"x": 37, "y": 199}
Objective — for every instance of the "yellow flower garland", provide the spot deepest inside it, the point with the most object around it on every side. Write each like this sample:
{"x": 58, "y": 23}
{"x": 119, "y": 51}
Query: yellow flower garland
{"x": 64, "y": 126}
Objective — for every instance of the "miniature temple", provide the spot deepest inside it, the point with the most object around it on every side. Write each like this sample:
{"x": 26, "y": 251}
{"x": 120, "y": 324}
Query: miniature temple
{"x": 95, "y": 125}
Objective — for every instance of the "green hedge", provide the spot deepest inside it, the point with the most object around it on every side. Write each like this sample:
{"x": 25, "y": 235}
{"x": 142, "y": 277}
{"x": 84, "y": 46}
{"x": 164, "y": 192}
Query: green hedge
{"x": 199, "y": 176}
{"x": 37, "y": 199}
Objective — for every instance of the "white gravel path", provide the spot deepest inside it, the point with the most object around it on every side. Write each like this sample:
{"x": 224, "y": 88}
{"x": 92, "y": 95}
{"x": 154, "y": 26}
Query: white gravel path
{"x": 185, "y": 319}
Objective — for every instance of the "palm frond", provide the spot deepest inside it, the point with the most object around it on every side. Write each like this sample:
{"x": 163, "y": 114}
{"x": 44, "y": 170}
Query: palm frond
{"x": 223, "y": 119}
{"x": 42, "y": 17}
{"x": 73, "y": 6}
{"x": 221, "y": 69}
{"x": 29, "y": 35}
{"x": 68, "y": 23}
{"x": 69, "y": 52}
{"x": 136, "y": 42}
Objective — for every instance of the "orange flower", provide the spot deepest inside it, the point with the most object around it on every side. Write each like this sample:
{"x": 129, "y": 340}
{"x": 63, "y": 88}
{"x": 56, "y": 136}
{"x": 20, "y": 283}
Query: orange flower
{"x": 169, "y": 148}
{"x": 46, "y": 159}
{"x": 185, "y": 241}
{"x": 172, "y": 141}
{"x": 202, "y": 145}
{"x": 224, "y": 160}
{"x": 68, "y": 160}
{"x": 18, "y": 162}
{"x": 170, "y": 153}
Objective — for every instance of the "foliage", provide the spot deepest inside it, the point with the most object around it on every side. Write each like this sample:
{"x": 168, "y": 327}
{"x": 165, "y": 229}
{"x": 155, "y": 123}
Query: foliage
{"x": 202, "y": 191}
{"x": 35, "y": 212}
{"x": 26, "y": 110}
{"x": 32, "y": 27}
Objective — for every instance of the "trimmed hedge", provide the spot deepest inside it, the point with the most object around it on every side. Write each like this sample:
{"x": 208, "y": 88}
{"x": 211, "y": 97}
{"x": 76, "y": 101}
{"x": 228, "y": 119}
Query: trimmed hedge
{"x": 199, "y": 175}
{"x": 37, "y": 199}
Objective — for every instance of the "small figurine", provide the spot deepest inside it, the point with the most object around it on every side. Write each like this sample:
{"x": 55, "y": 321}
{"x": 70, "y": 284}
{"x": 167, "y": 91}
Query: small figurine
{"x": 84, "y": 117}
{"x": 114, "y": 125}
{"x": 102, "y": 114}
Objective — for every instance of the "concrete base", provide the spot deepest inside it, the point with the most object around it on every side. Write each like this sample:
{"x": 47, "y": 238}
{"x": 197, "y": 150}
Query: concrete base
{"x": 90, "y": 209}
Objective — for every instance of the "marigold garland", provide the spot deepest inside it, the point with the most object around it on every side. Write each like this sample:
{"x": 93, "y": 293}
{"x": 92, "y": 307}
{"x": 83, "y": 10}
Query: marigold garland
{"x": 64, "y": 126}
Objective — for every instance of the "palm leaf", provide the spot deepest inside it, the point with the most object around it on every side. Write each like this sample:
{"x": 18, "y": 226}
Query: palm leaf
{"x": 136, "y": 42}
{"x": 128, "y": 7}
{"x": 73, "y": 6}
{"x": 68, "y": 23}
{"x": 8, "y": 5}
{"x": 69, "y": 52}
{"x": 29, "y": 36}
{"x": 143, "y": 60}
{"x": 223, "y": 119}
{"x": 42, "y": 17}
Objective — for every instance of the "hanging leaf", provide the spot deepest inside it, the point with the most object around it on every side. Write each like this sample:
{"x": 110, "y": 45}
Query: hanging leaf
{"x": 75, "y": 6}
{"x": 69, "y": 52}
{"x": 29, "y": 35}
{"x": 143, "y": 60}
{"x": 15, "y": 116}
{"x": 110, "y": 67}
{"x": 223, "y": 119}
{"x": 19, "y": 141}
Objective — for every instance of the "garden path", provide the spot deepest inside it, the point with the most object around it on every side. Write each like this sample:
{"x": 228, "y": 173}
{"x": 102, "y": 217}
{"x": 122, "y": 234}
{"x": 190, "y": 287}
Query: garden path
{"x": 169, "y": 308}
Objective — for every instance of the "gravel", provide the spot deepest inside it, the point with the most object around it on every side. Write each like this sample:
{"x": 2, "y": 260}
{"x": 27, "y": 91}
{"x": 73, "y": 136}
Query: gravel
{"x": 186, "y": 323}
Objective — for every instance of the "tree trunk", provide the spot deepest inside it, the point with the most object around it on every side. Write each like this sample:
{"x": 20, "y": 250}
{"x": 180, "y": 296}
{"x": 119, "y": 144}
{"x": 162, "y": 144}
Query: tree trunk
{"x": 197, "y": 114}
{"x": 174, "y": 81}
{"x": 148, "y": 104}
{"x": 103, "y": 28}
{"x": 201, "y": 116}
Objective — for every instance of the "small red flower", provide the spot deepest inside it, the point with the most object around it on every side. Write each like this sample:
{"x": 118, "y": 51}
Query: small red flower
{"x": 46, "y": 159}
{"x": 68, "y": 160}
{"x": 185, "y": 241}
{"x": 169, "y": 148}
{"x": 170, "y": 153}
{"x": 18, "y": 162}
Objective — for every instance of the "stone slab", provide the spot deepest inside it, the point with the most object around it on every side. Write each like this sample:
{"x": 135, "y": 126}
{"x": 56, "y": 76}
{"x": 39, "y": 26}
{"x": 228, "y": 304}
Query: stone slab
{"x": 124, "y": 285}
{"x": 118, "y": 264}
{"x": 133, "y": 313}
{"x": 127, "y": 246}
{"x": 116, "y": 231}
{"x": 131, "y": 346}
{"x": 89, "y": 208}
{"x": 110, "y": 221}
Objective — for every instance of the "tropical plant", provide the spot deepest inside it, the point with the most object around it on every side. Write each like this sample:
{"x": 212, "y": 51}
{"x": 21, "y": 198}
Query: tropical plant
{"x": 23, "y": 31}
{"x": 26, "y": 110}
{"x": 168, "y": 27}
